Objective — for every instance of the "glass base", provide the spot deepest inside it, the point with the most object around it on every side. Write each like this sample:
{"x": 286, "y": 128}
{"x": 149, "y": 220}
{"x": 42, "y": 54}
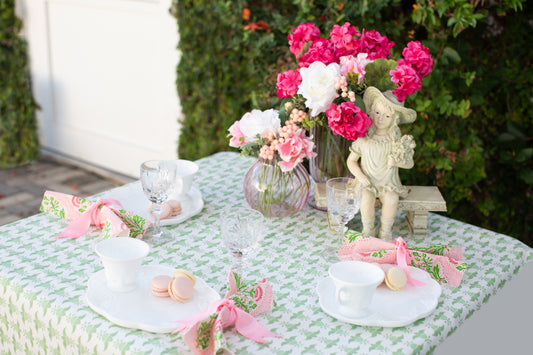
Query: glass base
{"x": 330, "y": 255}
{"x": 159, "y": 238}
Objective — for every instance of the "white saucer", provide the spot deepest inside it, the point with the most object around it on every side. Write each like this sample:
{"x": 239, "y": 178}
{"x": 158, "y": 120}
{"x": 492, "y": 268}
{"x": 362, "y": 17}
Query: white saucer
{"x": 133, "y": 199}
{"x": 140, "y": 309}
{"x": 388, "y": 308}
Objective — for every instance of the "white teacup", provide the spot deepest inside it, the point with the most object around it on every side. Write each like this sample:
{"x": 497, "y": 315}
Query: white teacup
{"x": 184, "y": 178}
{"x": 355, "y": 284}
{"x": 122, "y": 258}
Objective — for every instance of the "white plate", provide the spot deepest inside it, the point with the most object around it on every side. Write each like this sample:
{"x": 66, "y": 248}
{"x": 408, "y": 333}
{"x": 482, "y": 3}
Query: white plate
{"x": 140, "y": 309}
{"x": 133, "y": 199}
{"x": 388, "y": 308}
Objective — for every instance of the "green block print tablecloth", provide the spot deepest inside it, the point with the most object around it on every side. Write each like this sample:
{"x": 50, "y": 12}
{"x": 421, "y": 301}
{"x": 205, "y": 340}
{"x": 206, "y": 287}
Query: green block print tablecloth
{"x": 43, "y": 281}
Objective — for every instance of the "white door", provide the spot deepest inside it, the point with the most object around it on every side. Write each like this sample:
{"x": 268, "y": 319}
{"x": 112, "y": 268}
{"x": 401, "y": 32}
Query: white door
{"x": 104, "y": 74}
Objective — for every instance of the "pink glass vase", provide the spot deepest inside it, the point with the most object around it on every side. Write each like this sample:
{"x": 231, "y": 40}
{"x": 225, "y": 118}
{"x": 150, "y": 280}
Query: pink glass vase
{"x": 273, "y": 192}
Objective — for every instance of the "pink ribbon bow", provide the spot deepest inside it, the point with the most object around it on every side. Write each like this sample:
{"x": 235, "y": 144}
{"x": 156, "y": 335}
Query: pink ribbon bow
{"x": 442, "y": 262}
{"x": 80, "y": 225}
{"x": 245, "y": 324}
{"x": 204, "y": 332}
{"x": 401, "y": 259}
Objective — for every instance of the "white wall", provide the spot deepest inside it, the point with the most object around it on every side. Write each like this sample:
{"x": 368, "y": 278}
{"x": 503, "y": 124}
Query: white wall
{"x": 104, "y": 74}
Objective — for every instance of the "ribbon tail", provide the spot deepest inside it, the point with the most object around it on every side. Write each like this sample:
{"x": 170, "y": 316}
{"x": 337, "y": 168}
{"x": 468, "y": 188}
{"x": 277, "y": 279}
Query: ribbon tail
{"x": 77, "y": 227}
{"x": 401, "y": 260}
{"x": 247, "y": 326}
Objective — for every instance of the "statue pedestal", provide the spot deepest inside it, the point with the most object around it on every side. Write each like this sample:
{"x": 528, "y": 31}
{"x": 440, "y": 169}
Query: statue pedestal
{"x": 418, "y": 203}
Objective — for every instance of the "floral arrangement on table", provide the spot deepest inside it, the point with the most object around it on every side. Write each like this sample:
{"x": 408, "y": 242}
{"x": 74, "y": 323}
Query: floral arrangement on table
{"x": 327, "y": 90}
{"x": 332, "y": 75}
{"x": 259, "y": 133}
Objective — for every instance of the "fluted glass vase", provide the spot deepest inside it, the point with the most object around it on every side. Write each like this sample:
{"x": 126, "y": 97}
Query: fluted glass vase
{"x": 330, "y": 162}
{"x": 276, "y": 193}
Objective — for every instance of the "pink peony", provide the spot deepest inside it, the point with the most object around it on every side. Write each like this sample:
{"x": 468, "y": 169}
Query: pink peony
{"x": 376, "y": 45}
{"x": 237, "y": 137}
{"x": 344, "y": 39}
{"x": 348, "y": 120}
{"x": 355, "y": 64}
{"x": 407, "y": 80}
{"x": 288, "y": 83}
{"x": 417, "y": 56}
{"x": 303, "y": 33}
{"x": 320, "y": 51}
{"x": 294, "y": 150}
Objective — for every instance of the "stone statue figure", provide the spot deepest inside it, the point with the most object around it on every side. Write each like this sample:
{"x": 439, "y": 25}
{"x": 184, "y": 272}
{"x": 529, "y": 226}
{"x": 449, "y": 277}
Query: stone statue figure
{"x": 375, "y": 158}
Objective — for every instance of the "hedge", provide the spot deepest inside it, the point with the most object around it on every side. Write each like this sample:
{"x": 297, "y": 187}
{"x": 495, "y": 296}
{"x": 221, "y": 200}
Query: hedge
{"x": 18, "y": 127}
{"x": 474, "y": 127}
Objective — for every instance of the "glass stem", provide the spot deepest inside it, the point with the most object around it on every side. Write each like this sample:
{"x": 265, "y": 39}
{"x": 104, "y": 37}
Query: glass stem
{"x": 238, "y": 262}
{"x": 340, "y": 234}
{"x": 156, "y": 211}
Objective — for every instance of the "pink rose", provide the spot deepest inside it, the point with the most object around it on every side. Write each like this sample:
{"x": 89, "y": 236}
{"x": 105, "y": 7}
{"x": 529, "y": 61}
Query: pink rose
{"x": 344, "y": 39}
{"x": 320, "y": 51}
{"x": 376, "y": 45}
{"x": 303, "y": 33}
{"x": 288, "y": 83}
{"x": 237, "y": 137}
{"x": 407, "y": 80}
{"x": 417, "y": 56}
{"x": 348, "y": 120}
{"x": 294, "y": 150}
{"x": 355, "y": 64}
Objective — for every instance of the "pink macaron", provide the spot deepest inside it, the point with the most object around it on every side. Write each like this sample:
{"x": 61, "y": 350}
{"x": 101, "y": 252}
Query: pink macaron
{"x": 160, "y": 285}
{"x": 181, "y": 289}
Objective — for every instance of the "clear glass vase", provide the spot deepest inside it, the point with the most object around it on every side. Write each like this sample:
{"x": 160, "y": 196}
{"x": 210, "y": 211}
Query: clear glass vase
{"x": 330, "y": 162}
{"x": 276, "y": 193}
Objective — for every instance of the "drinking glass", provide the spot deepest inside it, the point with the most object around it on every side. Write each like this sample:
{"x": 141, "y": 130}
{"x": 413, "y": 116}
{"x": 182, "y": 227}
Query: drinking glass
{"x": 343, "y": 196}
{"x": 242, "y": 230}
{"x": 157, "y": 179}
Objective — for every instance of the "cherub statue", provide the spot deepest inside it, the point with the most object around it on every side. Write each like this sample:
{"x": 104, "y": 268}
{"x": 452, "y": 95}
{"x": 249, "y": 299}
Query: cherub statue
{"x": 381, "y": 152}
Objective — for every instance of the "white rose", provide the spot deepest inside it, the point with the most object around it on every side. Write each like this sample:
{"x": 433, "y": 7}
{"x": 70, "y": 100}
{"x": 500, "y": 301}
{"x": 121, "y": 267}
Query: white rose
{"x": 318, "y": 86}
{"x": 259, "y": 122}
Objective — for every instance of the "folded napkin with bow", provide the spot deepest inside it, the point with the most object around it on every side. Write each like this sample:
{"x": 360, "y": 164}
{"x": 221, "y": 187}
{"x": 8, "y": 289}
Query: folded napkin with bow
{"x": 104, "y": 213}
{"x": 442, "y": 262}
{"x": 204, "y": 332}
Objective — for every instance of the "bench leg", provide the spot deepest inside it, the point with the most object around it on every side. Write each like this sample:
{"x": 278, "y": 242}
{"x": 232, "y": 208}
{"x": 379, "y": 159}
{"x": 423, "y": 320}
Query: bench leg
{"x": 418, "y": 223}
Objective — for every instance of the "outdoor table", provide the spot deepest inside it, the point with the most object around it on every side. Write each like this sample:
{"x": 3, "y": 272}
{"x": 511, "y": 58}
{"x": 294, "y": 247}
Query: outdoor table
{"x": 43, "y": 281}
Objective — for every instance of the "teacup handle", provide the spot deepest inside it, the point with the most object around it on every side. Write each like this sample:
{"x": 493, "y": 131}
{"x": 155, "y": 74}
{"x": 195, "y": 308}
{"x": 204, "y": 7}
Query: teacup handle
{"x": 341, "y": 295}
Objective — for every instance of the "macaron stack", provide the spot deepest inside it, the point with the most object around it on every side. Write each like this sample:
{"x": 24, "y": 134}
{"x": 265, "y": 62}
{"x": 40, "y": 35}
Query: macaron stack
{"x": 180, "y": 287}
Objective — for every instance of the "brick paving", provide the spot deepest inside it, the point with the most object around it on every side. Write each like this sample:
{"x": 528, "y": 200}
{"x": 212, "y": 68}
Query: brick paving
{"x": 22, "y": 188}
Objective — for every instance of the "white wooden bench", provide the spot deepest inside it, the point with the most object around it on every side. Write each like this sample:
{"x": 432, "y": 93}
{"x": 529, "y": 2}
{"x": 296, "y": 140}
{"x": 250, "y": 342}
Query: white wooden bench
{"x": 420, "y": 201}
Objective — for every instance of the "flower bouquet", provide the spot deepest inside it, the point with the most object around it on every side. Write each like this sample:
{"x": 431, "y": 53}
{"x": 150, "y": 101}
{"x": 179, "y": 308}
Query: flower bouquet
{"x": 326, "y": 89}
{"x": 276, "y": 184}
{"x": 324, "y": 96}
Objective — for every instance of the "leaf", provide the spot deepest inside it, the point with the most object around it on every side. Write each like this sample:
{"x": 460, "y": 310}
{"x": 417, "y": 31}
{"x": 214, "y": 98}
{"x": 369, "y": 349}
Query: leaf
{"x": 451, "y": 54}
{"x": 527, "y": 176}
{"x": 377, "y": 74}
{"x": 524, "y": 154}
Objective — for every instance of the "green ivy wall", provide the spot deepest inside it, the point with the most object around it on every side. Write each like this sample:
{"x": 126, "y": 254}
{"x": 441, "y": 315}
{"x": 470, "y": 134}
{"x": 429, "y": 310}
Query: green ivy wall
{"x": 18, "y": 128}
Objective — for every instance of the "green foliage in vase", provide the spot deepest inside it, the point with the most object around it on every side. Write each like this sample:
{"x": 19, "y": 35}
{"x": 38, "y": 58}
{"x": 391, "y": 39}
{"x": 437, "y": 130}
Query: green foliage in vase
{"x": 18, "y": 127}
{"x": 474, "y": 128}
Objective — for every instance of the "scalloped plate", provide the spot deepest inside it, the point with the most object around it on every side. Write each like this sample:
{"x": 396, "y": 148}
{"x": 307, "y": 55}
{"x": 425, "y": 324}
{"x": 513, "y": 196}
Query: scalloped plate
{"x": 140, "y": 309}
{"x": 388, "y": 308}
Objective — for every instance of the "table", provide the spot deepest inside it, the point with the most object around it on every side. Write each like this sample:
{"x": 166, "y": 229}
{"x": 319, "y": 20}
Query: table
{"x": 43, "y": 281}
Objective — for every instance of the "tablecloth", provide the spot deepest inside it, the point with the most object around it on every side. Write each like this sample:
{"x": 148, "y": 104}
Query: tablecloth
{"x": 43, "y": 282}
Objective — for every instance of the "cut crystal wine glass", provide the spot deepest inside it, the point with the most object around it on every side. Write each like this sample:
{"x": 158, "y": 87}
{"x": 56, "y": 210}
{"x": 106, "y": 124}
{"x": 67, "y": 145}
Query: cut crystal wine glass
{"x": 343, "y": 196}
{"x": 157, "y": 179}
